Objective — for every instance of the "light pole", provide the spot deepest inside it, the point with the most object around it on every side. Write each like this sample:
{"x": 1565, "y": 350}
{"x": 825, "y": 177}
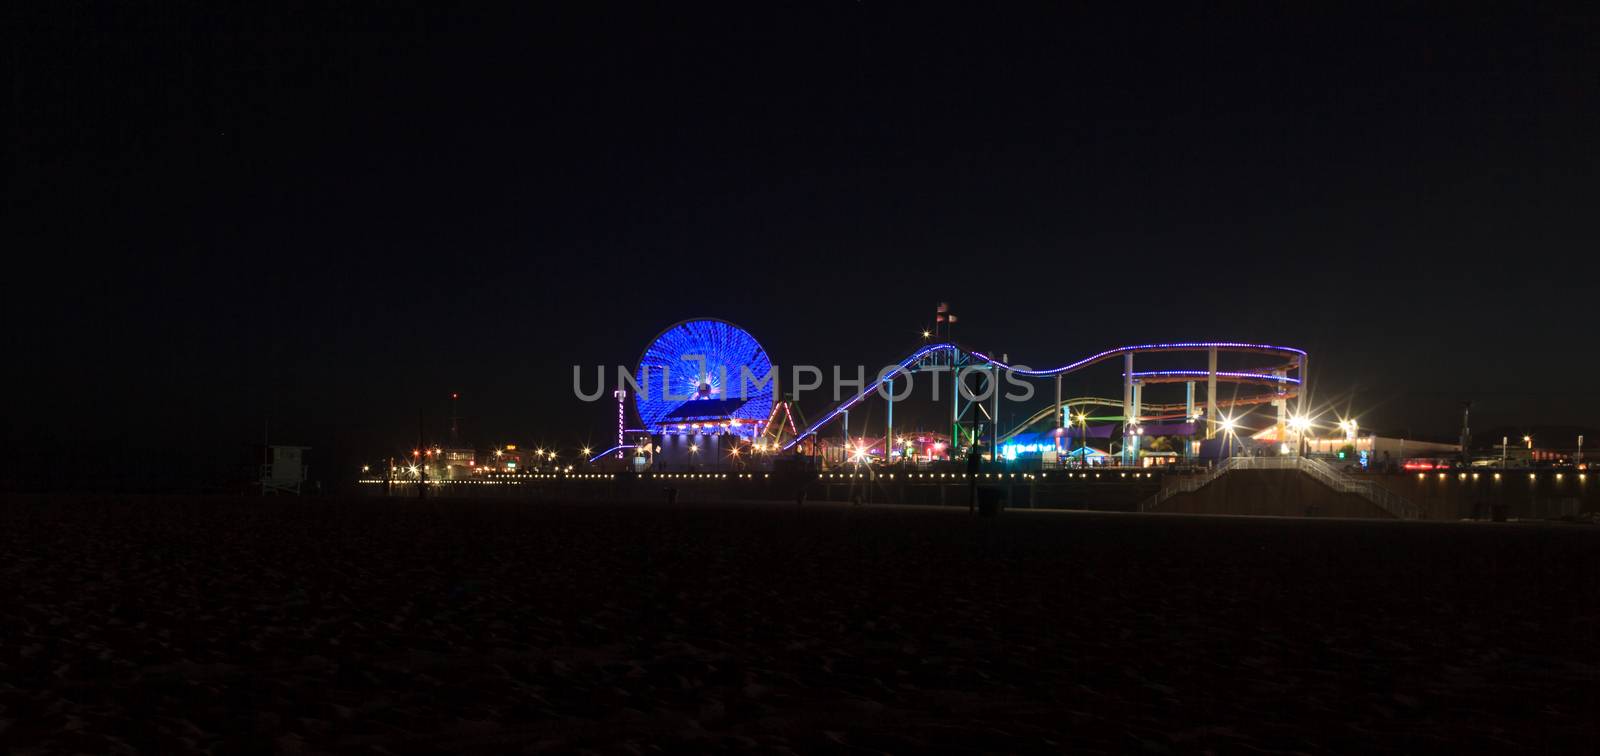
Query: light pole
{"x": 1350, "y": 437}
{"x": 1191, "y": 446}
{"x": 1299, "y": 424}
{"x": 1228, "y": 428}
{"x": 1083, "y": 439}
{"x": 1138, "y": 443}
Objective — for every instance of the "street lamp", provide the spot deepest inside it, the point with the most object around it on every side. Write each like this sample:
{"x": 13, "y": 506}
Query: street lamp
{"x": 1083, "y": 438}
{"x": 1229, "y": 425}
{"x": 1349, "y": 426}
{"x": 1299, "y": 424}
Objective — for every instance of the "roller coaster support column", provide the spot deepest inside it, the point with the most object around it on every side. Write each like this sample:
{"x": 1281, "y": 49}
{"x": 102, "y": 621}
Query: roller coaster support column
{"x": 994, "y": 414}
{"x": 1300, "y": 364}
{"x": 1211, "y": 393}
{"x": 1282, "y": 402}
{"x": 1127, "y": 402}
{"x": 955, "y": 408}
{"x": 1061, "y": 417}
{"x": 1138, "y": 412}
{"x": 1188, "y": 417}
{"x": 847, "y": 435}
{"x": 1138, "y": 400}
{"x": 888, "y": 426}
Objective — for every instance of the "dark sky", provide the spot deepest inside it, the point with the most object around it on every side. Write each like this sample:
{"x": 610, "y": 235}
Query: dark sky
{"x": 337, "y": 216}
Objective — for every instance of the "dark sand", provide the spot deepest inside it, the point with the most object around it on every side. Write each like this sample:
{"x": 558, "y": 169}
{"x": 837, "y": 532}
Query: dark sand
{"x": 486, "y": 626}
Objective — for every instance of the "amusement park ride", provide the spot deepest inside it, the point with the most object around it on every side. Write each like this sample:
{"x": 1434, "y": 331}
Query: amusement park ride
{"x": 710, "y": 377}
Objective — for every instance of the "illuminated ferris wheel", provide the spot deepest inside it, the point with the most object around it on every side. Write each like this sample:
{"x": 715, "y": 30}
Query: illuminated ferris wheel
{"x": 695, "y": 374}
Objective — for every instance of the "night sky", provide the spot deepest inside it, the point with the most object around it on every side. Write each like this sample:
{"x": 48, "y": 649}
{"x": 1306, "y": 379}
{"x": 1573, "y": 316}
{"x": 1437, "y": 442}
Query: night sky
{"x": 334, "y": 218}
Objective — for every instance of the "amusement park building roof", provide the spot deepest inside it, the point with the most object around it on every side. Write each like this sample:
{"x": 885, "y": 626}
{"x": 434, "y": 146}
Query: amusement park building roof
{"x": 701, "y": 410}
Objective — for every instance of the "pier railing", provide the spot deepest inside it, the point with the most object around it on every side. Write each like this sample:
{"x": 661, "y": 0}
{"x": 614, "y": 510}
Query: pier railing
{"x": 1383, "y": 498}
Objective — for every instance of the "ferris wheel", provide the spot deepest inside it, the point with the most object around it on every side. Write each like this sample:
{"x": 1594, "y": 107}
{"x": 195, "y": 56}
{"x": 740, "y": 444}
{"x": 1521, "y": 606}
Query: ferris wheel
{"x": 703, "y": 360}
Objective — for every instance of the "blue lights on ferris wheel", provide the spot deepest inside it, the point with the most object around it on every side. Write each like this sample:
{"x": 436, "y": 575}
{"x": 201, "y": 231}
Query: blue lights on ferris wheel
{"x": 703, "y": 368}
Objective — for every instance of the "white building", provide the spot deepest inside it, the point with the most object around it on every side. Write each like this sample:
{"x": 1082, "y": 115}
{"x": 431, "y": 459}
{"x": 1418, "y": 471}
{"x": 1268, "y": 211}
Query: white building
{"x": 285, "y": 470}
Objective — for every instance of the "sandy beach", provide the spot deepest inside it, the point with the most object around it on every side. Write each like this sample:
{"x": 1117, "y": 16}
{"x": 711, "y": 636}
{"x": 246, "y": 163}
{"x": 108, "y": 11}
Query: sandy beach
{"x": 299, "y": 626}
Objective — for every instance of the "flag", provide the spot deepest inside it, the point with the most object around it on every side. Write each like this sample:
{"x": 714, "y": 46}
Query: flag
{"x": 944, "y": 307}
{"x": 952, "y": 319}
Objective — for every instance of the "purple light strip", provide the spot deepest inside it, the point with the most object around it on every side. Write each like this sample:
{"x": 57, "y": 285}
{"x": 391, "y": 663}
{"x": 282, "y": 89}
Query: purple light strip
{"x": 1220, "y": 374}
{"x": 917, "y": 355}
{"x": 1068, "y": 368}
{"x": 1174, "y": 347}
{"x": 608, "y": 451}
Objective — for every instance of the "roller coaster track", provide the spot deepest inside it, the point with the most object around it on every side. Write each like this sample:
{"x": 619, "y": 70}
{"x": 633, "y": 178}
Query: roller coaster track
{"x": 1150, "y": 411}
{"x": 1293, "y": 358}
